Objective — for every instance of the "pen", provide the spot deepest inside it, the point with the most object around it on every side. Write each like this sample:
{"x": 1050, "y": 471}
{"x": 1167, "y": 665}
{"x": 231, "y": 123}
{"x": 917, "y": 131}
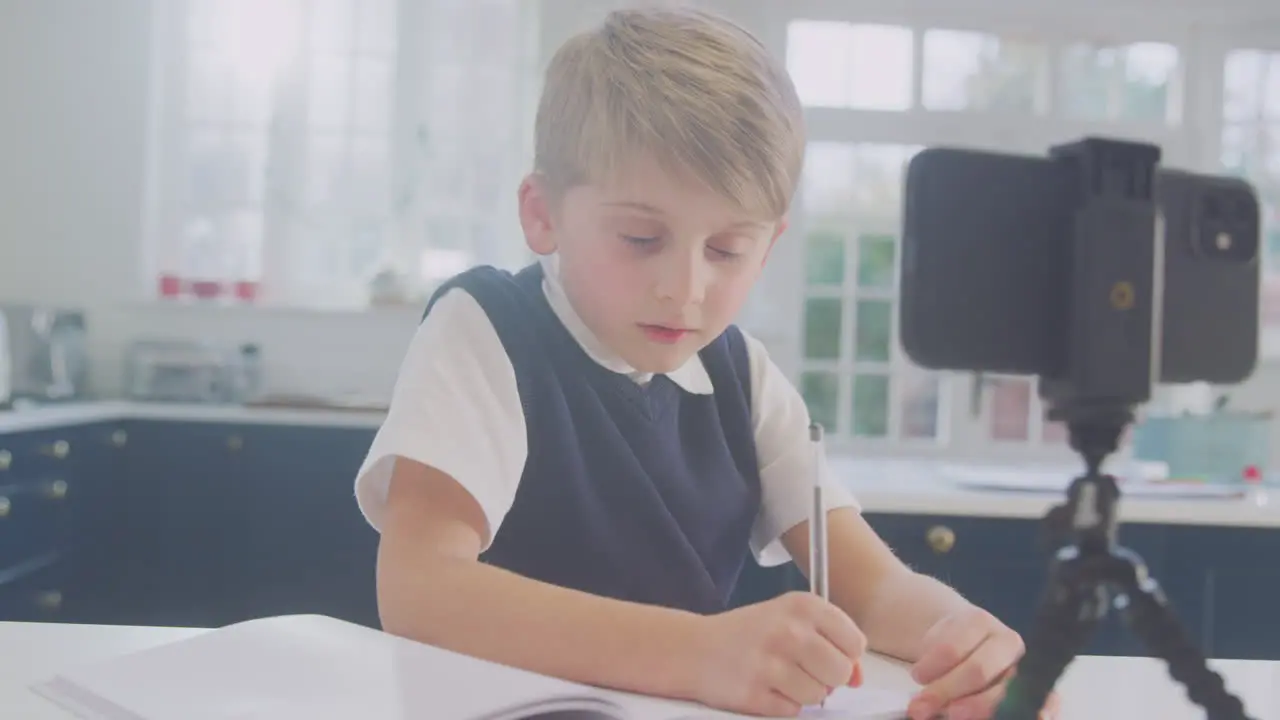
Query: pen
{"x": 818, "y": 522}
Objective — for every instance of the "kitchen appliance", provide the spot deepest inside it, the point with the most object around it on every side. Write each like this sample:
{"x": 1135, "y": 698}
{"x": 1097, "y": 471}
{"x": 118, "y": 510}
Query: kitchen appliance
{"x": 43, "y": 354}
{"x": 179, "y": 371}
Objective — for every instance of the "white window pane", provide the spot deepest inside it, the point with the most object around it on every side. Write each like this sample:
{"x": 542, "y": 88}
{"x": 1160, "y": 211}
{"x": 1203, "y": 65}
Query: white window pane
{"x": 370, "y": 172}
{"x": 326, "y": 167}
{"x": 879, "y": 177}
{"x": 834, "y": 64}
{"x": 871, "y": 404}
{"x": 376, "y": 27}
{"x": 977, "y": 71}
{"x": 332, "y": 26}
{"x": 828, "y": 183}
{"x": 439, "y": 264}
{"x": 373, "y": 88}
{"x": 1129, "y": 82}
{"x": 818, "y": 61}
{"x": 1243, "y": 82}
{"x": 1271, "y": 90}
{"x": 208, "y": 89}
{"x": 225, "y": 171}
{"x": 921, "y": 404}
{"x": 244, "y": 243}
{"x": 883, "y": 69}
{"x": 329, "y": 94}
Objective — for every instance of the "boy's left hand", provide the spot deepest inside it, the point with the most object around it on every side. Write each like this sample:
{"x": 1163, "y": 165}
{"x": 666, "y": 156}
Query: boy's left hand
{"x": 968, "y": 658}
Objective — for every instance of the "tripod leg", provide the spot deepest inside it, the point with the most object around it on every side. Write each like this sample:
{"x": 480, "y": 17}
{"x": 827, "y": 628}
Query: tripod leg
{"x": 1066, "y": 617}
{"x": 1154, "y": 623}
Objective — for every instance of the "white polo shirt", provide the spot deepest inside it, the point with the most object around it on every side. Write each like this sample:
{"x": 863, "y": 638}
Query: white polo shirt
{"x": 456, "y": 407}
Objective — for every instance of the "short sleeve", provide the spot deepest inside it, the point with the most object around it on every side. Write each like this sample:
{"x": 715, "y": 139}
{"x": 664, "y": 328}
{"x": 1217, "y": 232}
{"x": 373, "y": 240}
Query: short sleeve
{"x": 455, "y": 407}
{"x": 781, "y": 422}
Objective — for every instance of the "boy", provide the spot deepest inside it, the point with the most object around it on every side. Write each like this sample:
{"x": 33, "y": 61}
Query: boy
{"x": 579, "y": 457}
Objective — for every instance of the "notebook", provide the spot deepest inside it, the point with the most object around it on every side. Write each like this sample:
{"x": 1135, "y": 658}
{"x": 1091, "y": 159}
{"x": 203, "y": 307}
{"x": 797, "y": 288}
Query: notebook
{"x": 319, "y": 668}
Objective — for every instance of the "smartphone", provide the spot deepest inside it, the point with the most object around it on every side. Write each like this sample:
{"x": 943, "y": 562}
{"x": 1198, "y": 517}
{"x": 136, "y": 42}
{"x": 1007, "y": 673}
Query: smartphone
{"x": 984, "y": 283}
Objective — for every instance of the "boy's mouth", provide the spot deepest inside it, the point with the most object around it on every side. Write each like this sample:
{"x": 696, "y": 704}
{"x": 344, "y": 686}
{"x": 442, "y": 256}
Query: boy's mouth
{"x": 663, "y": 334}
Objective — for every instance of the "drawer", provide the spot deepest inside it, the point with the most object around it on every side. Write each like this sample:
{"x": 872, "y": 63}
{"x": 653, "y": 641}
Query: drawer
{"x": 37, "y": 595}
{"x": 35, "y": 518}
{"x": 29, "y": 455}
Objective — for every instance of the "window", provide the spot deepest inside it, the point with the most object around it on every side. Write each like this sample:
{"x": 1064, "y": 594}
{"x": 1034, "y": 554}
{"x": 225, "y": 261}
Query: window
{"x": 335, "y": 153}
{"x": 876, "y": 94}
{"x": 1251, "y": 149}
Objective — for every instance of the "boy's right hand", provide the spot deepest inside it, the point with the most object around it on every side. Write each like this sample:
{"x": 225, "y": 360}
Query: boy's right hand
{"x": 775, "y": 657}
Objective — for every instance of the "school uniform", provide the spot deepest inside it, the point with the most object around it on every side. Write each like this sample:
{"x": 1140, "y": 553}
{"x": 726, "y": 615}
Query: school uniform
{"x": 592, "y": 475}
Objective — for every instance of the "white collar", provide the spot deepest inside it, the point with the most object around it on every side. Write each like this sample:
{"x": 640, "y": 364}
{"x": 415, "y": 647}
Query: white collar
{"x": 691, "y": 376}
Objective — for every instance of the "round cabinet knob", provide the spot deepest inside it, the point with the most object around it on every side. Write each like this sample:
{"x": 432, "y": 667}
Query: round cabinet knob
{"x": 119, "y": 438}
{"x": 941, "y": 538}
{"x": 58, "y": 489}
{"x": 4, "y": 507}
{"x": 59, "y": 449}
{"x": 49, "y": 600}
{"x": 235, "y": 442}
{"x": 6, "y": 459}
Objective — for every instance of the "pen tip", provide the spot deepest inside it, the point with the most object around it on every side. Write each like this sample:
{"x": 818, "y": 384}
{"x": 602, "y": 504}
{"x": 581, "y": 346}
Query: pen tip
{"x": 815, "y": 431}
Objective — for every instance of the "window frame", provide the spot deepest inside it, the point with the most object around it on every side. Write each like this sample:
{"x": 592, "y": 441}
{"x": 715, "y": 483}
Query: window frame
{"x": 1189, "y": 143}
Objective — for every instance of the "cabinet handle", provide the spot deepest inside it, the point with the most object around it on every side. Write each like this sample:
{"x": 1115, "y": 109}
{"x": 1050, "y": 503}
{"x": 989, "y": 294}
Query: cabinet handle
{"x": 234, "y": 443}
{"x": 119, "y": 438}
{"x": 57, "y": 490}
{"x": 941, "y": 538}
{"x": 59, "y": 449}
{"x": 4, "y": 507}
{"x": 49, "y": 600}
{"x": 6, "y": 459}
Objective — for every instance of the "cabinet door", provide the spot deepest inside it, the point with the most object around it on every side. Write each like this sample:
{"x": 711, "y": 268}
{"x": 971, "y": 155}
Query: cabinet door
{"x": 308, "y": 548}
{"x": 1002, "y": 565}
{"x": 93, "y": 552}
{"x": 181, "y": 498}
{"x": 1231, "y": 585}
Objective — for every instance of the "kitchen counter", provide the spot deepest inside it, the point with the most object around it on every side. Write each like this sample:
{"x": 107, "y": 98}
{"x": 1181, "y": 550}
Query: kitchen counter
{"x": 53, "y": 416}
{"x": 1096, "y": 688}
{"x": 881, "y": 486}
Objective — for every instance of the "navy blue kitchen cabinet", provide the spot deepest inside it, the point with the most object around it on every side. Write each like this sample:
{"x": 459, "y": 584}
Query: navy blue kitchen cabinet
{"x": 205, "y": 523}
{"x": 307, "y": 547}
{"x": 37, "y": 514}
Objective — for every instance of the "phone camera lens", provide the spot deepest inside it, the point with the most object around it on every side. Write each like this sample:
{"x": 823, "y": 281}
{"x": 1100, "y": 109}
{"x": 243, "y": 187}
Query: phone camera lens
{"x": 1227, "y": 226}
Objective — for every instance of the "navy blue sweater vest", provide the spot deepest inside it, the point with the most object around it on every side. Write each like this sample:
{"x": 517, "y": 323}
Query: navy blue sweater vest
{"x": 642, "y": 493}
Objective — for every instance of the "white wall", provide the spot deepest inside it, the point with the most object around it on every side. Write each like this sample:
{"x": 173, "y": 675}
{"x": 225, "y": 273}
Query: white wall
{"x": 73, "y": 120}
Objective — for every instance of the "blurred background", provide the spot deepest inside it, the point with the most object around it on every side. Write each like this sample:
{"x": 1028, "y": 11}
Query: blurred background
{"x": 300, "y": 173}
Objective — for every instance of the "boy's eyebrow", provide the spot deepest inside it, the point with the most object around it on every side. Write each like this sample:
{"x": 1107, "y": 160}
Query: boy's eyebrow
{"x": 654, "y": 210}
{"x": 643, "y": 207}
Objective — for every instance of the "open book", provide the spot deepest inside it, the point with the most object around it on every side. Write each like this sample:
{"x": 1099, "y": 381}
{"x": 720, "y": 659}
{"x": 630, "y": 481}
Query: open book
{"x": 313, "y": 667}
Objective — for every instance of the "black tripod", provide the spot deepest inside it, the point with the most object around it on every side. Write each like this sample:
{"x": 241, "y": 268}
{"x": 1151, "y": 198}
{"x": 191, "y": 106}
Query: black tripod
{"x": 1087, "y": 573}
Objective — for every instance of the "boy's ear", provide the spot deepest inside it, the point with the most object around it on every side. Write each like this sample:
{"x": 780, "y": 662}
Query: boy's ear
{"x": 536, "y": 217}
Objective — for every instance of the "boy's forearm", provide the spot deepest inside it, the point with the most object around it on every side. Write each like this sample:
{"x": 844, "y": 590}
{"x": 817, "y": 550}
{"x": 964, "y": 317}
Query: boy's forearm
{"x": 904, "y": 608}
{"x": 488, "y": 612}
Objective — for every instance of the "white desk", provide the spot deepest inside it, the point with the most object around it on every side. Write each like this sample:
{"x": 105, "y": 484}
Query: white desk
{"x": 1094, "y": 688}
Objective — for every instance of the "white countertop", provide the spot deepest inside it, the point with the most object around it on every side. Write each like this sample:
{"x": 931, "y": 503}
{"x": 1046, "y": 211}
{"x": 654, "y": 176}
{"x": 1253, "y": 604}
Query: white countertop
{"x": 1093, "y": 688}
{"x": 53, "y": 416}
{"x": 887, "y": 486}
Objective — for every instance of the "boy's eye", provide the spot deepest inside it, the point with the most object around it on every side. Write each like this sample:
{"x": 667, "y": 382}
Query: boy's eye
{"x": 722, "y": 253}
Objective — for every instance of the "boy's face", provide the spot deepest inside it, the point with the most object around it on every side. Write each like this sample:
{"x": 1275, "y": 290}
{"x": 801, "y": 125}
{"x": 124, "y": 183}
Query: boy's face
{"x": 656, "y": 266}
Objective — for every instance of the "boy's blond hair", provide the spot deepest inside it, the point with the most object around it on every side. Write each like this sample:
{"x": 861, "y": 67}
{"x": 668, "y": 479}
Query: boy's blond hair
{"x": 695, "y": 91}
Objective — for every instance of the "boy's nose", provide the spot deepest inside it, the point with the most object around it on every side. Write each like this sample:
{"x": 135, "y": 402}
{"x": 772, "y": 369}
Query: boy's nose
{"x": 682, "y": 280}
